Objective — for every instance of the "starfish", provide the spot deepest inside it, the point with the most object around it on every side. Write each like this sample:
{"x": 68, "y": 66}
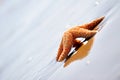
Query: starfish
{"x": 69, "y": 37}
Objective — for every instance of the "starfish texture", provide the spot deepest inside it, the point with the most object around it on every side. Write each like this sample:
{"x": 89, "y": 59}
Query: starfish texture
{"x": 69, "y": 37}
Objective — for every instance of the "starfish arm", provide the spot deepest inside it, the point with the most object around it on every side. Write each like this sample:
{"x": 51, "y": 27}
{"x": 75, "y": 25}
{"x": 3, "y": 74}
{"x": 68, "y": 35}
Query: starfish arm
{"x": 67, "y": 44}
{"x": 85, "y": 33}
{"x": 92, "y": 24}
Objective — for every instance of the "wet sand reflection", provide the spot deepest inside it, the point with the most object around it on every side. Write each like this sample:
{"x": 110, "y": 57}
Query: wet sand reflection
{"x": 81, "y": 53}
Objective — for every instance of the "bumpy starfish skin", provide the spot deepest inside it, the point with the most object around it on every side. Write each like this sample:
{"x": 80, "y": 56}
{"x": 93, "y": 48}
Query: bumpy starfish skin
{"x": 69, "y": 37}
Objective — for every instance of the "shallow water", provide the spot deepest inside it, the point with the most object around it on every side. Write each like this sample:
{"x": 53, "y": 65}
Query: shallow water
{"x": 32, "y": 29}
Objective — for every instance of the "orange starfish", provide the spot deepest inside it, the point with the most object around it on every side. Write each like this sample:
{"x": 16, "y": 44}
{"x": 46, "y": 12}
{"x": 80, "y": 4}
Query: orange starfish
{"x": 69, "y": 37}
